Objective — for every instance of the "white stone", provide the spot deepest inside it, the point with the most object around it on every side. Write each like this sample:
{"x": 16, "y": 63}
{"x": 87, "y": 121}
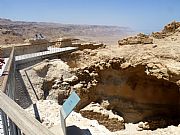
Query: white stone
{"x": 140, "y": 124}
{"x": 72, "y": 79}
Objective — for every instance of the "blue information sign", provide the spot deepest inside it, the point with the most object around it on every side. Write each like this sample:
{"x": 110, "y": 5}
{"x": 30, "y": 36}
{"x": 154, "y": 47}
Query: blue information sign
{"x": 69, "y": 104}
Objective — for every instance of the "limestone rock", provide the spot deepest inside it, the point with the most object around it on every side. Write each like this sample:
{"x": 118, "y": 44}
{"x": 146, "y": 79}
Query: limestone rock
{"x": 105, "y": 104}
{"x": 107, "y": 118}
{"x": 78, "y": 86}
{"x": 71, "y": 79}
{"x": 55, "y": 86}
{"x": 139, "y": 39}
{"x": 140, "y": 124}
{"x": 168, "y": 30}
{"x": 90, "y": 46}
{"x": 156, "y": 123}
{"x": 48, "y": 111}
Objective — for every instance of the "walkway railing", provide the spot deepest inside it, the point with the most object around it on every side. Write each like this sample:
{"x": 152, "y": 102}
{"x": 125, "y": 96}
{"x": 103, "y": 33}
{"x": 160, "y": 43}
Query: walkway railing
{"x": 15, "y": 120}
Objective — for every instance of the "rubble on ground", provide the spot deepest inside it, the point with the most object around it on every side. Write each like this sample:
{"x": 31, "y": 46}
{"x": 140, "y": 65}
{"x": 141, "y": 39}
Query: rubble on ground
{"x": 157, "y": 123}
{"x": 48, "y": 111}
{"x": 139, "y": 39}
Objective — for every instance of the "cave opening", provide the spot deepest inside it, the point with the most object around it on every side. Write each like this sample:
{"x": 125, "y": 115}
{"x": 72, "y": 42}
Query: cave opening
{"x": 136, "y": 96}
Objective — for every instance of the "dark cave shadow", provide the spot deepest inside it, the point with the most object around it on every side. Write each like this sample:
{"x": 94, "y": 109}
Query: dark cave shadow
{"x": 74, "y": 130}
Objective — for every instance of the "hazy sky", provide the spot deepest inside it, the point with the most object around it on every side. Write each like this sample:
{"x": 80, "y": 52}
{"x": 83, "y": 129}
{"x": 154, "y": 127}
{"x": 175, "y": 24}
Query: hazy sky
{"x": 141, "y": 15}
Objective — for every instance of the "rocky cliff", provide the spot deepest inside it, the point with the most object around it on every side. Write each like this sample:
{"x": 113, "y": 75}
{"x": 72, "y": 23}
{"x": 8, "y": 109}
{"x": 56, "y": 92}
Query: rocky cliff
{"x": 138, "y": 82}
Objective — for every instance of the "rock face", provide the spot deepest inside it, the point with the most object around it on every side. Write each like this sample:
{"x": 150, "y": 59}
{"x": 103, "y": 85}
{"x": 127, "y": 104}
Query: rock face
{"x": 168, "y": 30}
{"x": 139, "y": 39}
{"x": 47, "y": 79}
{"x": 129, "y": 90}
{"x": 107, "y": 118}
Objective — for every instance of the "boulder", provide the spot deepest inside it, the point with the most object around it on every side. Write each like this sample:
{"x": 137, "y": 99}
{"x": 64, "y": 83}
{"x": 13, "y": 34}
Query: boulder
{"x": 72, "y": 79}
{"x": 105, "y": 117}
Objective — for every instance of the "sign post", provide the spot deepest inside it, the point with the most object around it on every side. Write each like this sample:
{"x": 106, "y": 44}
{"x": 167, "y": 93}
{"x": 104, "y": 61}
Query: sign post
{"x": 67, "y": 108}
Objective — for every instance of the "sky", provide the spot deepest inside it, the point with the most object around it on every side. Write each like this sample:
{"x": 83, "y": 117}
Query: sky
{"x": 140, "y": 15}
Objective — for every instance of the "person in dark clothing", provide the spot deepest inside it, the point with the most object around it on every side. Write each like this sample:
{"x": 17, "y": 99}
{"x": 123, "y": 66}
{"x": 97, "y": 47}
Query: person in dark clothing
{"x": 41, "y": 36}
{"x": 36, "y": 36}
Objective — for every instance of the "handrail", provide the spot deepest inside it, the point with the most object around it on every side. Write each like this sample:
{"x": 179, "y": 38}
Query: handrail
{"x": 20, "y": 121}
{"x": 25, "y": 122}
{"x": 8, "y": 69}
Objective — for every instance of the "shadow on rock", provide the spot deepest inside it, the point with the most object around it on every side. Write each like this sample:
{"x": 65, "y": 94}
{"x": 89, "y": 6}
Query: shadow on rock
{"x": 74, "y": 130}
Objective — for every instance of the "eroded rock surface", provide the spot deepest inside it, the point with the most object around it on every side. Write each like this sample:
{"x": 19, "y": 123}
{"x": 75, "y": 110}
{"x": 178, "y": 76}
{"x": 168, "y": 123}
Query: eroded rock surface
{"x": 129, "y": 90}
{"x": 168, "y": 30}
{"x": 139, "y": 39}
{"x": 48, "y": 111}
{"x": 47, "y": 79}
{"x": 138, "y": 82}
{"x": 107, "y": 118}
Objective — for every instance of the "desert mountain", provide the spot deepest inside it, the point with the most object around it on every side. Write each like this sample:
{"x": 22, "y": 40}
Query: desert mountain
{"x": 17, "y": 31}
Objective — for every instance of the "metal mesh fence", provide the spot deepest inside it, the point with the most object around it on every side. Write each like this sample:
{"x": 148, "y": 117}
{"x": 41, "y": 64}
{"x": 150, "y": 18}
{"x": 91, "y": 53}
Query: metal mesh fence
{"x": 9, "y": 128}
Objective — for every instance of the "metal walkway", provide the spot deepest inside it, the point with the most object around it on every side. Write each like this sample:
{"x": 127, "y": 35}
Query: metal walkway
{"x": 1, "y": 126}
{"x": 38, "y": 56}
{"x": 50, "y": 51}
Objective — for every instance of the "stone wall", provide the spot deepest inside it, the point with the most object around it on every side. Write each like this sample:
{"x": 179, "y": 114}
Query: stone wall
{"x": 90, "y": 46}
{"x": 21, "y": 49}
{"x": 79, "y": 45}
